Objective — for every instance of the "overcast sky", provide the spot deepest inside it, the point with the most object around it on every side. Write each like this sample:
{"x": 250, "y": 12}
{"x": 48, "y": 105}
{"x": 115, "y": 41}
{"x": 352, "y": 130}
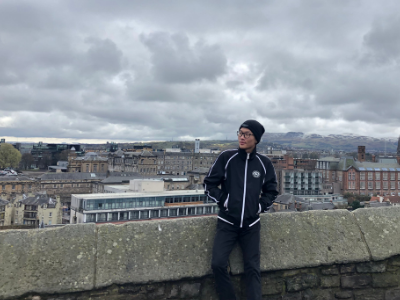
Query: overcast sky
{"x": 161, "y": 70}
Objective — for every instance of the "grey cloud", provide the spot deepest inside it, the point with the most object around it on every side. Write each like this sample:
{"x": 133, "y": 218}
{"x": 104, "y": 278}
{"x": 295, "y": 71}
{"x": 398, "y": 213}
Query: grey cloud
{"x": 383, "y": 41}
{"x": 159, "y": 70}
{"x": 102, "y": 56}
{"x": 175, "y": 59}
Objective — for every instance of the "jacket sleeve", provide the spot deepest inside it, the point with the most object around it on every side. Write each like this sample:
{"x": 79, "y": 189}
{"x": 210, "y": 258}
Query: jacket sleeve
{"x": 212, "y": 181}
{"x": 269, "y": 188}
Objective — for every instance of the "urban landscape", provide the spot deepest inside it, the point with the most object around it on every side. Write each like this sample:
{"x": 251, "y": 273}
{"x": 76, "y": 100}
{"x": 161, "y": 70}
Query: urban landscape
{"x": 213, "y": 150}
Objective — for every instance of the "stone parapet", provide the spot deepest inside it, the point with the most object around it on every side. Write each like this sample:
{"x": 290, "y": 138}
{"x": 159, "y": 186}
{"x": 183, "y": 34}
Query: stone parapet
{"x": 311, "y": 255}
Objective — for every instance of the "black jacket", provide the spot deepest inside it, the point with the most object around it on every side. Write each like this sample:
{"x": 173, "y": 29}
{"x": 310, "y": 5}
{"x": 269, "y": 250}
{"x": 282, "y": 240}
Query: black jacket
{"x": 248, "y": 186}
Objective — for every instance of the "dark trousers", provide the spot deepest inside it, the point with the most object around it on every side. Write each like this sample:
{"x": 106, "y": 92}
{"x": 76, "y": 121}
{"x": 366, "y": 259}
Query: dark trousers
{"x": 249, "y": 240}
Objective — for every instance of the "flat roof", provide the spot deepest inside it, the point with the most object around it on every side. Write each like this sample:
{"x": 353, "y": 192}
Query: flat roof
{"x": 134, "y": 194}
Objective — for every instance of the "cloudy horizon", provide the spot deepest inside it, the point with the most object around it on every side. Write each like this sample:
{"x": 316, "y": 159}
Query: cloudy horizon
{"x": 98, "y": 70}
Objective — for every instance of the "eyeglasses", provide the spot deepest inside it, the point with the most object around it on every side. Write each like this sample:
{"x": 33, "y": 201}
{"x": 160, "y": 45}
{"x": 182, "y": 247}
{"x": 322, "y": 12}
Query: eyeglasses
{"x": 245, "y": 134}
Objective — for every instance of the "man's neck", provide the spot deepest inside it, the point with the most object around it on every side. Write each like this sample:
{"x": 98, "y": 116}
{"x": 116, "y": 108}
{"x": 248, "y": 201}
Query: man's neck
{"x": 250, "y": 150}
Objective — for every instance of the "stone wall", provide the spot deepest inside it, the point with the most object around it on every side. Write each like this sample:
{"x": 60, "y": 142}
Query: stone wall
{"x": 311, "y": 255}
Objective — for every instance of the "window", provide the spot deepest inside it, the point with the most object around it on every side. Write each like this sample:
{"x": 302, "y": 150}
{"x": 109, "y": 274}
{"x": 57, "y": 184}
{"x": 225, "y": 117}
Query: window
{"x": 392, "y": 185}
{"x": 351, "y": 185}
{"x": 87, "y": 168}
{"x": 385, "y": 176}
{"x": 362, "y": 185}
{"x": 94, "y": 168}
{"x": 378, "y": 185}
{"x": 370, "y": 175}
{"x": 50, "y": 214}
{"x": 377, "y": 176}
{"x": 385, "y": 185}
{"x": 13, "y": 187}
{"x": 30, "y": 186}
{"x": 362, "y": 176}
{"x": 370, "y": 184}
{"x": 392, "y": 176}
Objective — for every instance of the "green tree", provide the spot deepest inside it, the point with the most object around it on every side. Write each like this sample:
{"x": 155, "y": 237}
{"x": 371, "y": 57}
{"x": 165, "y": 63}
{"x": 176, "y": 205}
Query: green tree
{"x": 9, "y": 156}
{"x": 314, "y": 155}
{"x": 356, "y": 204}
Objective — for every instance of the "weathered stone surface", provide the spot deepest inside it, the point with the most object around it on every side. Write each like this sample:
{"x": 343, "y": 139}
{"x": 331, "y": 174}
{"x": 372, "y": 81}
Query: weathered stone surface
{"x": 350, "y": 268}
{"x": 355, "y": 281}
{"x": 161, "y": 250}
{"x": 369, "y": 295}
{"x": 380, "y": 227}
{"x": 332, "y": 270}
{"x": 190, "y": 290}
{"x": 272, "y": 285}
{"x": 371, "y": 267}
{"x": 47, "y": 261}
{"x": 330, "y": 281}
{"x": 395, "y": 261}
{"x": 318, "y": 295}
{"x": 301, "y": 282}
{"x": 384, "y": 280}
{"x": 307, "y": 239}
{"x": 392, "y": 294}
{"x": 344, "y": 295}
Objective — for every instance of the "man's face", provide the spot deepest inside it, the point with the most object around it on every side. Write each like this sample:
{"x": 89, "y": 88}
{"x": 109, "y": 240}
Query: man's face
{"x": 249, "y": 143}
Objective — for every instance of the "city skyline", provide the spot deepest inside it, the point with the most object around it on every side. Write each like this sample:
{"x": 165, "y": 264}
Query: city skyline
{"x": 132, "y": 71}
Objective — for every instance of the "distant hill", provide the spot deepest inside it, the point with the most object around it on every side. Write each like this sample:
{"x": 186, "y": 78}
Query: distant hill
{"x": 345, "y": 142}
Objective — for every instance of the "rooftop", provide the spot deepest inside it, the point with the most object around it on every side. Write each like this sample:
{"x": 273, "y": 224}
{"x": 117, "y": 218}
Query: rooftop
{"x": 133, "y": 194}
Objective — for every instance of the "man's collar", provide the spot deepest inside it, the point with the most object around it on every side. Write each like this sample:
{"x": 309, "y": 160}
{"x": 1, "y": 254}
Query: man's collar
{"x": 243, "y": 153}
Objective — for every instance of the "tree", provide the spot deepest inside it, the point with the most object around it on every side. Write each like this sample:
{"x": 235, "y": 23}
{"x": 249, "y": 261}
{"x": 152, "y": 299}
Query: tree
{"x": 9, "y": 156}
{"x": 356, "y": 204}
{"x": 45, "y": 160}
{"x": 26, "y": 161}
{"x": 63, "y": 156}
{"x": 314, "y": 155}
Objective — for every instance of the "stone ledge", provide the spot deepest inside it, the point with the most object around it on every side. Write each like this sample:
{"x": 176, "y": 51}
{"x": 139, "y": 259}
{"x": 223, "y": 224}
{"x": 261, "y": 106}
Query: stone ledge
{"x": 308, "y": 239}
{"x": 380, "y": 226}
{"x": 53, "y": 260}
{"x": 64, "y": 260}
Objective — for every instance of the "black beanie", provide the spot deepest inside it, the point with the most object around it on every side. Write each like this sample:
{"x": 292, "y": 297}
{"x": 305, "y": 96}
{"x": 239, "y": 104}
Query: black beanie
{"x": 256, "y": 128}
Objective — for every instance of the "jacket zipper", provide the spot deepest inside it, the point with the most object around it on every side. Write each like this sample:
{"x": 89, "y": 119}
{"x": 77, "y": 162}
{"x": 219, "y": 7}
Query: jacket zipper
{"x": 244, "y": 189}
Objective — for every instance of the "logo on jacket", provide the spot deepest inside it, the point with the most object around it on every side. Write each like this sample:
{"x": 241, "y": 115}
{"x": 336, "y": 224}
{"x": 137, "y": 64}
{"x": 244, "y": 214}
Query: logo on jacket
{"x": 256, "y": 174}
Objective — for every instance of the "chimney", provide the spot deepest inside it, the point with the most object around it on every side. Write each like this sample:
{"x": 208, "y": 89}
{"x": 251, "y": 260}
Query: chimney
{"x": 373, "y": 158}
{"x": 361, "y": 153}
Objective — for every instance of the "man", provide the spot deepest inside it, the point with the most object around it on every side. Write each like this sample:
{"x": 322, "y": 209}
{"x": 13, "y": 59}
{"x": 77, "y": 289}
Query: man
{"x": 247, "y": 183}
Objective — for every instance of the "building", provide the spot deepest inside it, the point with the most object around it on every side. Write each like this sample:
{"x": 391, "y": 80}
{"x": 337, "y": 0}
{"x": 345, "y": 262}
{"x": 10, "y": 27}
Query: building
{"x": 369, "y": 178}
{"x": 91, "y": 162}
{"x": 116, "y": 207}
{"x": 38, "y": 209}
{"x": 11, "y": 186}
{"x": 45, "y": 155}
{"x": 65, "y": 184}
{"x": 62, "y": 166}
{"x": 5, "y": 212}
{"x": 152, "y": 163}
{"x": 300, "y": 182}
{"x": 329, "y": 168}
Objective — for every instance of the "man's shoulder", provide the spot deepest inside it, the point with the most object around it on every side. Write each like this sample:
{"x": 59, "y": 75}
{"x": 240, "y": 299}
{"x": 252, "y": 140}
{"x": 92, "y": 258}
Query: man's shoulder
{"x": 265, "y": 159}
{"x": 228, "y": 153}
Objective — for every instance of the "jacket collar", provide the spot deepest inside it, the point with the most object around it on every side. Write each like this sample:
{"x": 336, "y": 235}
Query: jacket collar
{"x": 243, "y": 153}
